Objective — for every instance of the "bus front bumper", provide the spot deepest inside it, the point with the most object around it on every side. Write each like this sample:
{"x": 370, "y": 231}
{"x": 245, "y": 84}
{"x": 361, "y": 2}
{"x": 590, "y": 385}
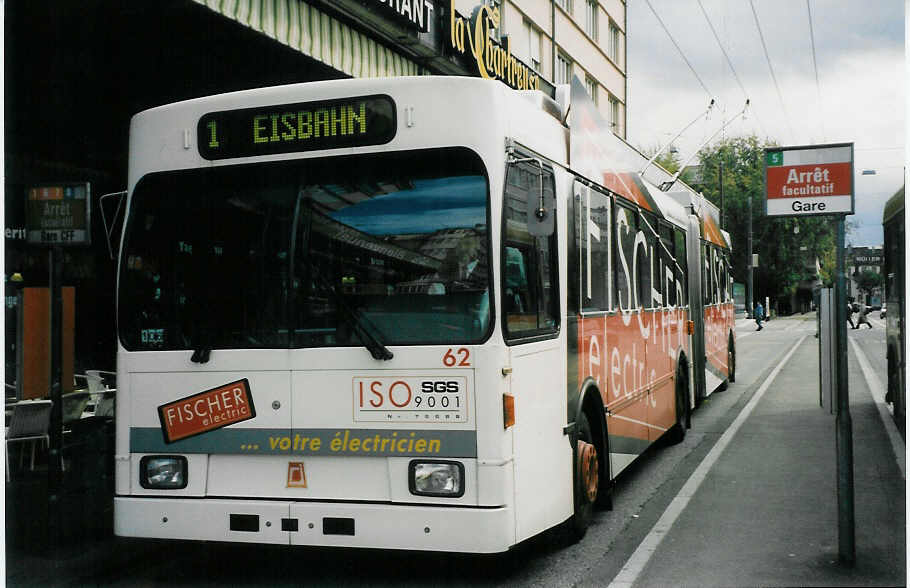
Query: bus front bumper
{"x": 386, "y": 526}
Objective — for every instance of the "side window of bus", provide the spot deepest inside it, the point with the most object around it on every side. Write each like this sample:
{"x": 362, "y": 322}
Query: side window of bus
{"x": 705, "y": 274}
{"x": 594, "y": 246}
{"x": 645, "y": 250}
{"x": 682, "y": 282}
{"x": 529, "y": 283}
{"x": 666, "y": 271}
{"x": 626, "y": 226}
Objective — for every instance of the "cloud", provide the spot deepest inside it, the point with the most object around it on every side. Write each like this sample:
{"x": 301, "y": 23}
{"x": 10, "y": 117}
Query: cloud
{"x": 860, "y": 96}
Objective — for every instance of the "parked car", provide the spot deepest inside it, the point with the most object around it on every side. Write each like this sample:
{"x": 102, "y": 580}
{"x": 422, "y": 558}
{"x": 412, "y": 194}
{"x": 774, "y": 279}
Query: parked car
{"x": 882, "y": 313}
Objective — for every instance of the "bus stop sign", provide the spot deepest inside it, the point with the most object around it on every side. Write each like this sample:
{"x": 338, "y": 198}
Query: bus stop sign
{"x": 58, "y": 214}
{"x": 809, "y": 181}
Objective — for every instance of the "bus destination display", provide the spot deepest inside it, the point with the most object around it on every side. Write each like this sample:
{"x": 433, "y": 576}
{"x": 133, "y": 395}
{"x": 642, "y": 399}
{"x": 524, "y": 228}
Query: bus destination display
{"x": 304, "y": 126}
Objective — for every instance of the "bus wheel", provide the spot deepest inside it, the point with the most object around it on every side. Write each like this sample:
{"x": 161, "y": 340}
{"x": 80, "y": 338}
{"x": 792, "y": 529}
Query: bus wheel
{"x": 587, "y": 480}
{"x": 731, "y": 361}
{"x": 678, "y": 431}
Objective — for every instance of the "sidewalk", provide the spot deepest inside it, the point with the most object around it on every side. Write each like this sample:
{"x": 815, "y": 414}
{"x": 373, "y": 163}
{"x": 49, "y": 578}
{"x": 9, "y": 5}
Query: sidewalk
{"x": 766, "y": 513}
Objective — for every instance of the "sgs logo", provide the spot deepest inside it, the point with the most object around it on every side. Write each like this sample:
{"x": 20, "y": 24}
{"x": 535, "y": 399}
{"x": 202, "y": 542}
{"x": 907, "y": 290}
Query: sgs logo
{"x": 439, "y": 386}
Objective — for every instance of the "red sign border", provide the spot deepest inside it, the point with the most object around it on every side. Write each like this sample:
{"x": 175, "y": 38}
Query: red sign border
{"x": 249, "y": 396}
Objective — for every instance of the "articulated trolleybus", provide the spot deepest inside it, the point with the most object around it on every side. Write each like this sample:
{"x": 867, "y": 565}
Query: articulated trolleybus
{"x": 415, "y": 313}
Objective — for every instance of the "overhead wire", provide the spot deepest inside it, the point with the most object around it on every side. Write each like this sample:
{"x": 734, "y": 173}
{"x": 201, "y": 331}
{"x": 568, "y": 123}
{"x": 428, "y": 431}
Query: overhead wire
{"x": 818, "y": 90}
{"x": 771, "y": 68}
{"x": 683, "y": 55}
{"x": 730, "y": 63}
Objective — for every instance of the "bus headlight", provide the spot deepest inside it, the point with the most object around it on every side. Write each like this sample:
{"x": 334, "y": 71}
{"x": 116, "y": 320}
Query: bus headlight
{"x": 163, "y": 472}
{"x": 436, "y": 478}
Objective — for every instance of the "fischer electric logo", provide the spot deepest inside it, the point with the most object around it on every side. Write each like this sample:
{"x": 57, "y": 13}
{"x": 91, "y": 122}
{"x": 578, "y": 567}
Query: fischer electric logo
{"x": 206, "y": 411}
{"x": 803, "y": 181}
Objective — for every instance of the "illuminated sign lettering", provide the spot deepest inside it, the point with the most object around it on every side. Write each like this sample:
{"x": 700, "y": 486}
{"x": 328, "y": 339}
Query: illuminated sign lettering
{"x": 306, "y": 126}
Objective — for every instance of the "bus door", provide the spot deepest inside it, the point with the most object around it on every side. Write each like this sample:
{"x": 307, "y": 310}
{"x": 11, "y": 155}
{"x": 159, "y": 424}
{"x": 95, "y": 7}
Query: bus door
{"x": 696, "y": 306}
{"x": 627, "y": 342}
{"x": 530, "y": 315}
{"x": 662, "y": 351}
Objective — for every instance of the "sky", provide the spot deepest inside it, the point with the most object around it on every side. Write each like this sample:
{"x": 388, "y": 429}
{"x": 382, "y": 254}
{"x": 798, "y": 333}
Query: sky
{"x": 859, "y": 97}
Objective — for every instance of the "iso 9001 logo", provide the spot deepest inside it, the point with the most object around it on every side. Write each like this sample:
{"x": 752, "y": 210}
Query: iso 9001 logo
{"x": 410, "y": 399}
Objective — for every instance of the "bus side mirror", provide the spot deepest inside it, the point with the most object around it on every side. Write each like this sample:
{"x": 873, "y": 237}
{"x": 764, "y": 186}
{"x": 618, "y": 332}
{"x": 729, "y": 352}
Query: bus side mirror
{"x": 541, "y": 206}
{"x": 111, "y": 204}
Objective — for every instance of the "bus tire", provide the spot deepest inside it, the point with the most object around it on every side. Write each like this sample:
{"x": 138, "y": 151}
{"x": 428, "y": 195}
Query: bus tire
{"x": 677, "y": 432}
{"x": 731, "y": 360}
{"x": 586, "y": 480}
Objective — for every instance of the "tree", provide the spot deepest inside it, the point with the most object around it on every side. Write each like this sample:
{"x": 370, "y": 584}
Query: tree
{"x": 786, "y": 257}
{"x": 868, "y": 280}
{"x": 669, "y": 160}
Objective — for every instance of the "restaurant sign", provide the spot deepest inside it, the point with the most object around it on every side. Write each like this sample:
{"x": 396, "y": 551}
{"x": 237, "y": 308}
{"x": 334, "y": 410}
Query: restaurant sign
{"x": 472, "y": 40}
{"x": 415, "y": 14}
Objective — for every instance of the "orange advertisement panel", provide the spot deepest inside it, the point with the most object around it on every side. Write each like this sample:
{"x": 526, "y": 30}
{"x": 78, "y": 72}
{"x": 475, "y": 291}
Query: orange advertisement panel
{"x": 34, "y": 369}
{"x": 207, "y": 411}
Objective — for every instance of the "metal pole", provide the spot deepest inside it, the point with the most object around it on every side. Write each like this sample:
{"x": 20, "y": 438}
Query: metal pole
{"x": 721, "y": 193}
{"x": 843, "y": 422}
{"x": 749, "y": 305}
{"x": 54, "y": 454}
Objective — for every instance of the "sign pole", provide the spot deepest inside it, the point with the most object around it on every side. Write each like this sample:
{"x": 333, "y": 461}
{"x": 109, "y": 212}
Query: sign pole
{"x": 843, "y": 421}
{"x": 817, "y": 180}
{"x": 55, "y": 454}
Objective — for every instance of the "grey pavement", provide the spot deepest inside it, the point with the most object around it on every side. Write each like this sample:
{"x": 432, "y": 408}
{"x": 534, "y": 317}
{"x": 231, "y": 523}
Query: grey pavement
{"x": 766, "y": 514}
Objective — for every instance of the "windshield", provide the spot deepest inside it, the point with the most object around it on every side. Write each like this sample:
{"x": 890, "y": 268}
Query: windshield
{"x": 309, "y": 253}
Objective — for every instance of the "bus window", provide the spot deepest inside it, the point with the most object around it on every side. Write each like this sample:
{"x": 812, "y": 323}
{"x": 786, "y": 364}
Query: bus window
{"x": 679, "y": 238}
{"x": 645, "y": 246}
{"x": 308, "y": 253}
{"x": 594, "y": 243}
{"x": 626, "y": 227}
{"x": 666, "y": 271}
{"x": 529, "y": 287}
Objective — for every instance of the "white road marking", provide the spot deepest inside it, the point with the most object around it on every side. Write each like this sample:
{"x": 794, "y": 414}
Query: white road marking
{"x": 878, "y": 395}
{"x": 637, "y": 562}
{"x": 623, "y": 418}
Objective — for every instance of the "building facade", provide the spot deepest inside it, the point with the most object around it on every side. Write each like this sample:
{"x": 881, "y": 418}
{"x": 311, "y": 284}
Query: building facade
{"x": 858, "y": 261}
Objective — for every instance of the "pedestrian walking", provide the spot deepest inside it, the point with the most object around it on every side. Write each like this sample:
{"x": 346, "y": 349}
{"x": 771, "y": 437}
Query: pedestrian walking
{"x": 759, "y": 315}
{"x": 863, "y": 319}
{"x": 850, "y": 315}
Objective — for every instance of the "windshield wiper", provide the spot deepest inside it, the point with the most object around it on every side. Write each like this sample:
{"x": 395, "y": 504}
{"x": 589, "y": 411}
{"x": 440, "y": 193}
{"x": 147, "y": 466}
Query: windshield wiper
{"x": 358, "y": 321}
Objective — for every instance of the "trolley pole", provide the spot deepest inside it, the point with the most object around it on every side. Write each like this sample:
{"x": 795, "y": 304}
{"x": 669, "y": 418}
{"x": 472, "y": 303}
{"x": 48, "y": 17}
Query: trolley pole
{"x": 843, "y": 422}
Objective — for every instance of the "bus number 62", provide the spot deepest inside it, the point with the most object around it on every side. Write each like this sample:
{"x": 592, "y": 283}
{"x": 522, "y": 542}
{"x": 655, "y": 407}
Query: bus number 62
{"x": 463, "y": 358}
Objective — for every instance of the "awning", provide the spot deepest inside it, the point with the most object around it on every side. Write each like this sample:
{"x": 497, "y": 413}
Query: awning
{"x": 318, "y": 35}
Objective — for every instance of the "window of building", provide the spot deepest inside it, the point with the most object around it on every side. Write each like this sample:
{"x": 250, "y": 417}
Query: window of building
{"x": 533, "y": 46}
{"x": 591, "y": 87}
{"x": 613, "y": 47}
{"x": 565, "y": 5}
{"x": 591, "y": 19}
{"x": 563, "y": 69}
{"x": 496, "y": 33}
{"x": 614, "y": 114}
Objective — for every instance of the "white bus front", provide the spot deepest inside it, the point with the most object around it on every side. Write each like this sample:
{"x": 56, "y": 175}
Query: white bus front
{"x": 305, "y": 318}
